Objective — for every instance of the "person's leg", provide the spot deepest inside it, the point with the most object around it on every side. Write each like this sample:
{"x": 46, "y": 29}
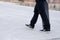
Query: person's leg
{"x": 44, "y": 16}
{"x": 35, "y": 16}
{"x": 46, "y": 10}
{"x": 45, "y": 21}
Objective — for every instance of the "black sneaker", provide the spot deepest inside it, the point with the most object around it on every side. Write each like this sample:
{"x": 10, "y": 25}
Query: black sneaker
{"x": 44, "y": 30}
{"x": 30, "y": 26}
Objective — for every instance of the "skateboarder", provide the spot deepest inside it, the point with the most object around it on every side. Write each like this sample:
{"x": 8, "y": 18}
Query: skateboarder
{"x": 40, "y": 8}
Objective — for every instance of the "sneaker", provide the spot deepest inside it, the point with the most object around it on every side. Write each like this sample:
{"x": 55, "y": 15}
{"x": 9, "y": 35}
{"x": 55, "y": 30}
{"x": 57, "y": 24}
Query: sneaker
{"x": 30, "y": 26}
{"x": 44, "y": 30}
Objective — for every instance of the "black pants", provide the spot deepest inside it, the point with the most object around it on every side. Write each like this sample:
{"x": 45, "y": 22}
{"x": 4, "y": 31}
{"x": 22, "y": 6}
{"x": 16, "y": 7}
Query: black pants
{"x": 40, "y": 9}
